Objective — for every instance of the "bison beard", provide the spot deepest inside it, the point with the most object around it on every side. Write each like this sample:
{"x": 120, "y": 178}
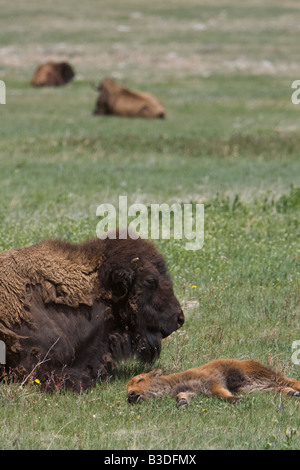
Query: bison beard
{"x": 69, "y": 313}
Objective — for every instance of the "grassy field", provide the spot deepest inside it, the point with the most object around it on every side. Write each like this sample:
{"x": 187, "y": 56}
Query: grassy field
{"x": 223, "y": 69}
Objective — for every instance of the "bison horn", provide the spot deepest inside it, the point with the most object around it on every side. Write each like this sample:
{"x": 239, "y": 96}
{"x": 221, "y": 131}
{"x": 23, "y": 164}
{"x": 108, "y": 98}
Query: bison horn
{"x": 134, "y": 261}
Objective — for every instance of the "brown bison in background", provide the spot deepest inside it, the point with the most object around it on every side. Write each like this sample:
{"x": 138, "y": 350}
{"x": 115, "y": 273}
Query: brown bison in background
{"x": 53, "y": 74}
{"x": 118, "y": 100}
{"x": 69, "y": 313}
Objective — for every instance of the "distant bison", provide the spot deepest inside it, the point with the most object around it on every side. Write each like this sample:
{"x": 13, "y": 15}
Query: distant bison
{"x": 69, "y": 313}
{"x": 53, "y": 74}
{"x": 118, "y": 100}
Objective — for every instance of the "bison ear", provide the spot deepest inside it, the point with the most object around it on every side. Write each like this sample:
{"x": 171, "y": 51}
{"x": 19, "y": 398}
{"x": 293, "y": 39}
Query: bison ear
{"x": 119, "y": 282}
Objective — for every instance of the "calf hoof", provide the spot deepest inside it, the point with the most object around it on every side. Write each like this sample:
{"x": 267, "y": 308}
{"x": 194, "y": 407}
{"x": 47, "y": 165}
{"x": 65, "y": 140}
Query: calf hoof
{"x": 236, "y": 400}
{"x": 182, "y": 403}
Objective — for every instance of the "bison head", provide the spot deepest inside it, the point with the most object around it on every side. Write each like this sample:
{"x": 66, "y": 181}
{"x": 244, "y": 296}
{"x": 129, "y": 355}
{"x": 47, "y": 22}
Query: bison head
{"x": 66, "y": 71}
{"x": 143, "y": 301}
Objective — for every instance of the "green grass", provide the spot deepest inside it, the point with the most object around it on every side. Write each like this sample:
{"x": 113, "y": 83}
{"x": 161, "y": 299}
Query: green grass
{"x": 230, "y": 140}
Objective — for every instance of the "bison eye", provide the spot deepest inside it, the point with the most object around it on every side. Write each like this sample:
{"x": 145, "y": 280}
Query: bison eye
{"x": 151, "y": 282}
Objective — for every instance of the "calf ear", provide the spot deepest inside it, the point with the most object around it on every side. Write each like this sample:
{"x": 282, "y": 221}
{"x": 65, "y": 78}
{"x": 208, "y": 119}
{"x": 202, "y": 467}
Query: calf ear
{"x": 155, "y": 373}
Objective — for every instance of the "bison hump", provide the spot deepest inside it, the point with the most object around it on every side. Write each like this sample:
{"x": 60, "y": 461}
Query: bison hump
{"x": 60, "y": 279}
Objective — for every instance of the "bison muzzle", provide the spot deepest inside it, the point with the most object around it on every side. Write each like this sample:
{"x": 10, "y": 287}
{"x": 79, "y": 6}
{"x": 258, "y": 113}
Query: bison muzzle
{"x": 70, "y": 312}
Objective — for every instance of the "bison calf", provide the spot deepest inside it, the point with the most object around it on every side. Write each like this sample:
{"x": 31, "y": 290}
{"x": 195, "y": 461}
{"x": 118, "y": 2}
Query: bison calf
{"x": 221, "y": 378}
{"x": 118, "y": 100}
{"x": 69, "y": 313}
{"x": 53, "y": 74}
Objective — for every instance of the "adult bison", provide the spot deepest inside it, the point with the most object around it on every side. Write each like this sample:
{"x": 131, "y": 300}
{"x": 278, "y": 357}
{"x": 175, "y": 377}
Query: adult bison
{"x": 118, "y": 100}
{"x": 69, "y": 313}
{"x": 53, "y": 74}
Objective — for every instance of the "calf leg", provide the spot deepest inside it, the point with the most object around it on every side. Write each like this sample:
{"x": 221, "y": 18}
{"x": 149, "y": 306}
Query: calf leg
{"x": 295, "y": 385}
{"x": 291, "y": 387}
{"x": 183, "y": 399}
{"x": 220, "y": 391}
{"x": 290, "y": 391}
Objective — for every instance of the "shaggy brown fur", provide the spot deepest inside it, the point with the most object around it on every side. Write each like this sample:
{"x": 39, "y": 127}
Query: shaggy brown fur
{"x": 221, "y": 378}
{"x": 52, "y": 74}
{"x": 63, "y": 279}
{"x": 118, "y": 100}
{"x": 84, "y": 307}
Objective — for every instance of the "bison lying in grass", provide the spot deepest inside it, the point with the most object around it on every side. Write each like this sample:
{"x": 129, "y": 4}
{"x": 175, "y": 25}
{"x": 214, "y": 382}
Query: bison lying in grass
{"x": 69, "y": 313}
{"x": 118, "y": 100}
{"x": 53, "y": 74}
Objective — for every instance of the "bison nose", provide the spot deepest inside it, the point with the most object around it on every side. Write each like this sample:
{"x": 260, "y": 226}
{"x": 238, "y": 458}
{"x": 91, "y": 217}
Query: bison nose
{"x": 180, "y": 319}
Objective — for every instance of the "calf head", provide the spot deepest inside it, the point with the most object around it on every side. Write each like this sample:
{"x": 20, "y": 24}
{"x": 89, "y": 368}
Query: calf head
{"x": 144, "y": 386}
